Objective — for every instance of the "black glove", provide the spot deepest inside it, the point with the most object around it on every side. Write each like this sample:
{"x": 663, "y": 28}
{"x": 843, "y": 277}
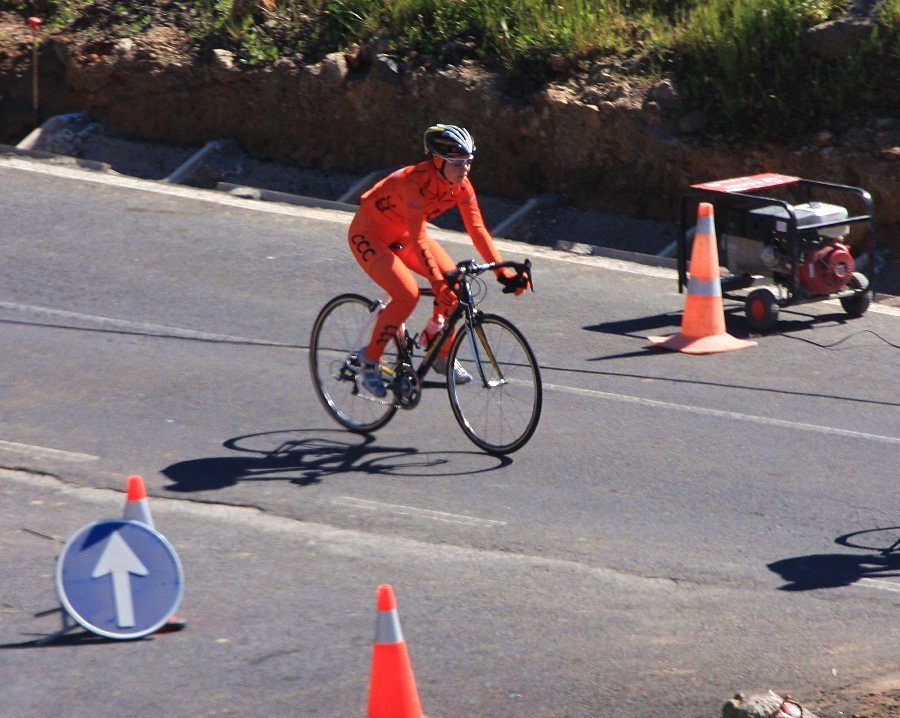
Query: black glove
{"x": 514, "y": 282}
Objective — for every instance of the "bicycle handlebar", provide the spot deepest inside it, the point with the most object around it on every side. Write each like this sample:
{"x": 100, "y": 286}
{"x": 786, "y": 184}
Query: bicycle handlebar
{"x": 473, "y": 268}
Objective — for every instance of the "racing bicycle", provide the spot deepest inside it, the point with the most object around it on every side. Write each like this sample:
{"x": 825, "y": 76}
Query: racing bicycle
{"x": 498, "y": 409}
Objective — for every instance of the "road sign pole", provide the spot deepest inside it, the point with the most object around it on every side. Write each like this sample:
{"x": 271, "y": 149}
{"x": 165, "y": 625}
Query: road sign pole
{"x": 68, "y": 624}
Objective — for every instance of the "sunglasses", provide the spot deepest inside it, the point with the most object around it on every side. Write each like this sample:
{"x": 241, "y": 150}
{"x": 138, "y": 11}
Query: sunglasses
{"x": 457, "y": 161}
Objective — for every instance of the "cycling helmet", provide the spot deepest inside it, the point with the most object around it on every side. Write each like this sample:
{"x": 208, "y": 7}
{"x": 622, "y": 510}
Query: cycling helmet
{"x": 449, "y": 142}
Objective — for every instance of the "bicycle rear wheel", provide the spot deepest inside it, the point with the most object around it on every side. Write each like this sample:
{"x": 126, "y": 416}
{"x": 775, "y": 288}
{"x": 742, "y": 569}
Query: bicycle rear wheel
{"x": 500, "y": 409}
{"x": 338, "y": 334}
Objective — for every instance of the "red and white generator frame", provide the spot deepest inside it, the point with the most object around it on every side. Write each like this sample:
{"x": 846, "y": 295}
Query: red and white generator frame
{"x": 804, "y": 240}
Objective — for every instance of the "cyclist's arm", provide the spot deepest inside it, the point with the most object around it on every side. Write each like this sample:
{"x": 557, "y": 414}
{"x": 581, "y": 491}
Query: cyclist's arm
{"x": 474, "y": 223}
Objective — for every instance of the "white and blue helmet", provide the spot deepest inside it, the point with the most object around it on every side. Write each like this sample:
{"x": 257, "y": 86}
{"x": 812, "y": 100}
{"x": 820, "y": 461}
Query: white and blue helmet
{"x": 449, "y": 142}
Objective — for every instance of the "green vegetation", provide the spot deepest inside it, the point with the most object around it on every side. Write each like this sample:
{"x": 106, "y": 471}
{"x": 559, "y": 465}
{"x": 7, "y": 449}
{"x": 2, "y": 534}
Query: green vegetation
{"x": 743, "y": 62}
{"x": 747, "y": 63}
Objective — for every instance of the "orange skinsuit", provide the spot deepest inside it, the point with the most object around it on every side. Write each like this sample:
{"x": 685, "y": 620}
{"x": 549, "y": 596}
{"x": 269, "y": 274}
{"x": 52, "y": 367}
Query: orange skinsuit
{"x": 388, "y": 238}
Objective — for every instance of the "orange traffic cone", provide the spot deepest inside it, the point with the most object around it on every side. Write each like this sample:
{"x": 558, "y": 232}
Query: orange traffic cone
{"x": 703, "y": 322}
{"x": 136, "y": 506}
{"x": 392, "y": 690}
{"x": 138, "y": 509}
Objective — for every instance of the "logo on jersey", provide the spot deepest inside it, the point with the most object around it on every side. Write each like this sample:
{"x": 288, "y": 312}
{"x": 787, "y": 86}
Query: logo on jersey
{"x": 389, "y": 332}
{"x": 384, "y": 203}
{"x": 362, "y": 246}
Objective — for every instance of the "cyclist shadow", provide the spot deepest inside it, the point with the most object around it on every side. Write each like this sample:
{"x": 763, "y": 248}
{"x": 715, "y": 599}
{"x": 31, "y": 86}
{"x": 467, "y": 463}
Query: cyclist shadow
{"x": 835, "y": 570}
{"x": 304, "y": 458}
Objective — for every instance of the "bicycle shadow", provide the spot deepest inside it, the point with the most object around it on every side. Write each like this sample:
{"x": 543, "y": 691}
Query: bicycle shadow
{"x": 836, "y": 570}
{"x": 306, "y": 457}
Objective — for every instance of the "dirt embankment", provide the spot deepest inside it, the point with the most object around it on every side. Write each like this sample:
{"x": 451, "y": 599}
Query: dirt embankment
{"x": 604, "y": 141}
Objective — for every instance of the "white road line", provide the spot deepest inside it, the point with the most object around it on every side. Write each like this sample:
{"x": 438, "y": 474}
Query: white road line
{"x": 44, "y": 453}
{"x": 816, "y": 428}
{"x": 879, "y": 584}
{"x": 414, "y": 512}
{"x": 169, "y": 331}
{"x": 128, "y": 325}
{"x": 163, "y": 330}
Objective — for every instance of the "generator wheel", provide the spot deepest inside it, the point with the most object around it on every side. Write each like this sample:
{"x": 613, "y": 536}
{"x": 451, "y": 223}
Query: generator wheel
{"x": 857, "y": 304}
{"x": 761, "y": 308}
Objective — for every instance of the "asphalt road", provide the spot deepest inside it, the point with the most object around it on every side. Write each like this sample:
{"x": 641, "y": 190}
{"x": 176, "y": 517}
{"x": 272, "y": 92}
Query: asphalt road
{"x": 672, "y": 533}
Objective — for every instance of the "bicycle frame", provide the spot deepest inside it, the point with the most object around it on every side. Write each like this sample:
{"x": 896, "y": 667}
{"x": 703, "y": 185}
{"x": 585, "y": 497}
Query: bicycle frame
{"x": 466, "y": 312}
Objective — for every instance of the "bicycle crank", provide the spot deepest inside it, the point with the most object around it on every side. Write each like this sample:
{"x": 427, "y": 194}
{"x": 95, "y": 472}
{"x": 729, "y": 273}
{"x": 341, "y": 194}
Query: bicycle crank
{"x": 406, "y": 387}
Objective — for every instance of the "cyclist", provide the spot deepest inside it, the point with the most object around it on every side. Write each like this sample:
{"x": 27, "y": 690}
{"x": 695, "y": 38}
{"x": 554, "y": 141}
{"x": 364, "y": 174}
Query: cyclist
{"x": 389, "y": 239}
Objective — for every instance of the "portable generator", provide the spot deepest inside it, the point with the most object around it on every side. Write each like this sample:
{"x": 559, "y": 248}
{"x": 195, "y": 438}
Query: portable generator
{"x": 806, "y": 240}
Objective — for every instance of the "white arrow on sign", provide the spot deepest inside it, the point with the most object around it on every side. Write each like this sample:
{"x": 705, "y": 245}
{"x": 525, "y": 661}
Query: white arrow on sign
{"x": 119, "y": 560}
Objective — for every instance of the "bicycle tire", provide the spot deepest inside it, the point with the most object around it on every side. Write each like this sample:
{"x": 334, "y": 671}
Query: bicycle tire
{"x": 501, "y": 414}
{"x": 338, "y": 327}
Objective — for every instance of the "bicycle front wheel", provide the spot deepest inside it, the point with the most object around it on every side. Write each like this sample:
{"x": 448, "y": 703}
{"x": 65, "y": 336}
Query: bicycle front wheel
{"x": 500, "y": 407}
{"x": 338, "y": 335}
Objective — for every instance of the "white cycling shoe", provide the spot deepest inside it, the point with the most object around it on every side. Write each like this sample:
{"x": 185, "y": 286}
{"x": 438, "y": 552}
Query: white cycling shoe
{"x": 460, "y": 375}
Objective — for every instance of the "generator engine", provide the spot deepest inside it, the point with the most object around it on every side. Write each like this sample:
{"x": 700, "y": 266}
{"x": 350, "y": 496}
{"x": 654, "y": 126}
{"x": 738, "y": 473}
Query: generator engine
{"x": 757, "y": 241}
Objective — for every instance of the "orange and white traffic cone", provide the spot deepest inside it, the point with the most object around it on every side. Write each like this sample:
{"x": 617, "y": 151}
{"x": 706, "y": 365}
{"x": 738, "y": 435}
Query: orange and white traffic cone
{"x": 137, "y": 508}
{"x": 703, "y": 321}
{"x": 392, "y": 690}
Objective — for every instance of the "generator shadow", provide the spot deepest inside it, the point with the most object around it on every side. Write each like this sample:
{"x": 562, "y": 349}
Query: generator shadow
{"x": 735, "y": 323}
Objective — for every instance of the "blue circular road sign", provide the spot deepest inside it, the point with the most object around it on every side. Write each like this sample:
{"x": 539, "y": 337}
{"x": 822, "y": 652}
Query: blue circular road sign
{"x": 119, "y": 578}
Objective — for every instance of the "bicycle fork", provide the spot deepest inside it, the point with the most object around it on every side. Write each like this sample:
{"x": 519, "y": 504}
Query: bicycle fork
{"x": 474, "y": 328}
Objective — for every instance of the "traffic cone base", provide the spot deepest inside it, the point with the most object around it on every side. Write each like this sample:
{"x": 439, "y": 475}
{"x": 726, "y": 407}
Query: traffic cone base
{"x": 703, "y": 321}
{"x": 711, "y": 344}
{"x": 173, "y": 625}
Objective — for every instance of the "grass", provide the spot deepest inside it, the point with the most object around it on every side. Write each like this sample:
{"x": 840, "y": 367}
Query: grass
{"x": 747, "y": 63}
{"x": 743, "y": 62}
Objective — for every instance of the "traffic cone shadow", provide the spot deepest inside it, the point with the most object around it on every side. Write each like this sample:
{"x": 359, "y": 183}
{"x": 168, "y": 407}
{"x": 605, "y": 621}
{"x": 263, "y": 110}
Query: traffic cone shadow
{"x": 703, "y": 321}
{"x": 137, "y": 508}
{"x": 392, "y": 689}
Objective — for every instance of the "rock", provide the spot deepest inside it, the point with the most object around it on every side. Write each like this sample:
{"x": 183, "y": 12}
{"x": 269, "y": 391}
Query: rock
{"x": 665, "y": 95}
{"x": 693, "y": 123}
{"x": 222, "y": 60}
{"x": 386, "y": 68}
{"x": 124, "y": 49}
{"x": 823, "y": 138}
{"x": 887, "y": 139}
{"x": 837, "y": 38}
{"x": 333, "y": 69}
{"x": 761, "y": 706}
